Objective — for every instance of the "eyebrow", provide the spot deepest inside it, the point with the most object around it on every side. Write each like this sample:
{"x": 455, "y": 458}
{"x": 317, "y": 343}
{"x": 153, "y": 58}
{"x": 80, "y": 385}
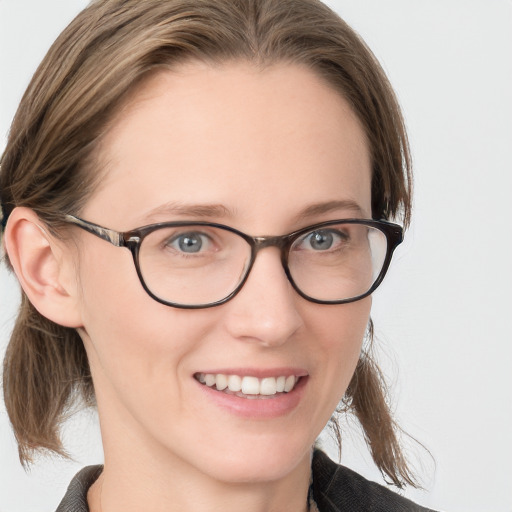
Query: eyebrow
{"x": 205, "y": 211}
{"x": 199, "y": 211}
{"x": 331, "y": 206}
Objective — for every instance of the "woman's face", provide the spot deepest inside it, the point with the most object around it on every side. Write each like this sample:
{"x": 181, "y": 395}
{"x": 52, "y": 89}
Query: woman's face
{"x": 266, "y": 152}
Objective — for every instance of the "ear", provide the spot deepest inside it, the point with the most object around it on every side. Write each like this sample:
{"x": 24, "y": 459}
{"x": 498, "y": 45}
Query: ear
{"x": 44, "y": 267}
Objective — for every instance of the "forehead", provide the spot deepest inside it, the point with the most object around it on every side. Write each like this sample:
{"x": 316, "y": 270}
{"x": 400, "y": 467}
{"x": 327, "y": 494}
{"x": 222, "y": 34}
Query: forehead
{"x": 259, "y": 142}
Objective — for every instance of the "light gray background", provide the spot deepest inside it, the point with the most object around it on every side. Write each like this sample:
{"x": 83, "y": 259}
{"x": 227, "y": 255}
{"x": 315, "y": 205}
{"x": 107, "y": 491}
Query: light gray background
{"x": 443, "y": 315}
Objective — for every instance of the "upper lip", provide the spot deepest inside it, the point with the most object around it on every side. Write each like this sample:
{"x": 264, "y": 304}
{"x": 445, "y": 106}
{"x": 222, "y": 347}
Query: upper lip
{"x": 260, "y": 373}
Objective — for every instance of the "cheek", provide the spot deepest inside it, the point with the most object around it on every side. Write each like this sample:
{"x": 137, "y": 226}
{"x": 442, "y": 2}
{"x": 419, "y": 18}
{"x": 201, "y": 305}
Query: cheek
{"x": 339, "y": 335}
{"x": 127, "y": 334}
{"x": 340, "y": 329}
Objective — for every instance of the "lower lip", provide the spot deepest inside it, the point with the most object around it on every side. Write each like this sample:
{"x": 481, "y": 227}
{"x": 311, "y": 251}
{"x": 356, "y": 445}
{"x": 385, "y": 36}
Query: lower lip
{"x": 257, "y": 408}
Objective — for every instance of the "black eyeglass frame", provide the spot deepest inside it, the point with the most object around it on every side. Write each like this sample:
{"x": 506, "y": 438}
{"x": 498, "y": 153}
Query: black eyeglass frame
{"x": 133, "y": 239}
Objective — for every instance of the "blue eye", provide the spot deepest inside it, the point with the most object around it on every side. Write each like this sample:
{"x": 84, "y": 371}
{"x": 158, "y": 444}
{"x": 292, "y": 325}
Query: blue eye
{"x": 190, "y": 243}
{"x": 322, "y": 240}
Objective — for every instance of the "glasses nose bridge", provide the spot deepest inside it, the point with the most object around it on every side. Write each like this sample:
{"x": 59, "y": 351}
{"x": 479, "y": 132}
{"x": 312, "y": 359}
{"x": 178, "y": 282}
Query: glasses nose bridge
{"x": 262, "y": 242}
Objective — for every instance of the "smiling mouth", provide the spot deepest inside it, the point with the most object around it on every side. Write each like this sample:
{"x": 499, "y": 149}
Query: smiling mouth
{"x": 248, "y": 386}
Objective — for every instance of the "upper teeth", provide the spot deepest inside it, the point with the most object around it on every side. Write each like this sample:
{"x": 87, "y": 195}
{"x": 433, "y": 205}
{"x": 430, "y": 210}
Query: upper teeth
{"x": 249, "y": 385}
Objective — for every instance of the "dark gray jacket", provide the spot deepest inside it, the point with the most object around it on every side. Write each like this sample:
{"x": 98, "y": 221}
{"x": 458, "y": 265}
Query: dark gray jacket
{"x": 336, "y": 489}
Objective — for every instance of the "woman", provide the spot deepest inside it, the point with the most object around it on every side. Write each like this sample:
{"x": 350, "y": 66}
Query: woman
{"x": 196, "y": 199}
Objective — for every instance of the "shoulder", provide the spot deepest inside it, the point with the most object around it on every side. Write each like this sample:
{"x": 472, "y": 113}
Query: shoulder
{"x": 337, "y": 488}
{"x": 75, "y": 499}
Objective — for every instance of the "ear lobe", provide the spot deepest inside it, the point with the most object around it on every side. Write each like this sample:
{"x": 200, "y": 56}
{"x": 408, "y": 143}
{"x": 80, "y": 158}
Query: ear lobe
{"x": 40, "y": 264}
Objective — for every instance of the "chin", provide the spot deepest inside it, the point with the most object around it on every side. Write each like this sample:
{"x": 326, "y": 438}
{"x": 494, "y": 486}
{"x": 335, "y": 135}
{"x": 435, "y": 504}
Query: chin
{"x": 260, "y": 462}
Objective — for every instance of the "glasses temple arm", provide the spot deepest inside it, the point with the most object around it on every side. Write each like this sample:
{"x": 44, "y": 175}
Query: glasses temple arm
{"x": 114, "y": 237}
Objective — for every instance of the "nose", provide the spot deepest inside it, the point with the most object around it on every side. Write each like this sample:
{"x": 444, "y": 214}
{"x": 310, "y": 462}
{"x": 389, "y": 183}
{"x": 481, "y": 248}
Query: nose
{"x": 265, "y": 310}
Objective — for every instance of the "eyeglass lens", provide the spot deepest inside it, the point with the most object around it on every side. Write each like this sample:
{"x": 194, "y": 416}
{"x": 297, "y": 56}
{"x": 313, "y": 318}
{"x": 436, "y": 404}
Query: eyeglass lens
{"x": 193, "y": 265}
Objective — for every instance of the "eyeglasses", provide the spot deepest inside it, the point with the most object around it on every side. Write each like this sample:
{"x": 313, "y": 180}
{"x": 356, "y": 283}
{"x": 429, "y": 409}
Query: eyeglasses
{"x": 203, "y": 264}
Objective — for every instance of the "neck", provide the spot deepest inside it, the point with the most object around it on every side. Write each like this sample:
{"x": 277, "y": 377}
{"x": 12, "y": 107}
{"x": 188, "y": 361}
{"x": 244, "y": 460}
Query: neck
{"x": 134, "y": 487}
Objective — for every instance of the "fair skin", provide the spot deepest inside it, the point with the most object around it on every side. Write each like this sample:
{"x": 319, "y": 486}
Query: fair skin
{"x": 266, "y": 145}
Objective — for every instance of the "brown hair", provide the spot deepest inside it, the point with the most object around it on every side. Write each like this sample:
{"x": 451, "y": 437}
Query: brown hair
{"x": 48, "y": 164}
